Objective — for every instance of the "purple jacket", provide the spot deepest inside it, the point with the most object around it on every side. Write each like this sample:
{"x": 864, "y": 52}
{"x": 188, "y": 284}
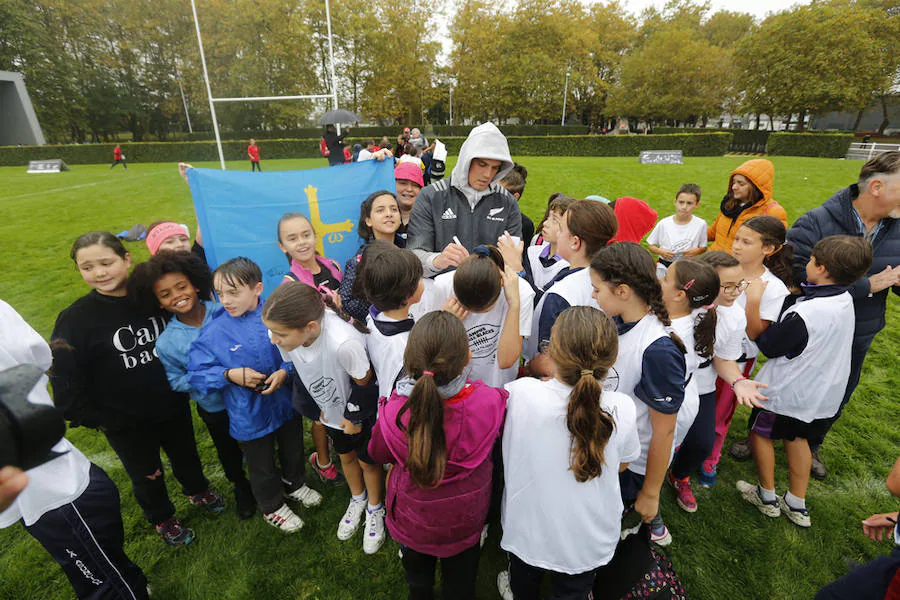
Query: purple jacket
{"x": 445, "y": 520}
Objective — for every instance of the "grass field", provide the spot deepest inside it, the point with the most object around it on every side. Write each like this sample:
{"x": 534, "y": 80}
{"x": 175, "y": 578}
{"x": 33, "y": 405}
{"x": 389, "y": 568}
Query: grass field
{"x": 725, "y": 550}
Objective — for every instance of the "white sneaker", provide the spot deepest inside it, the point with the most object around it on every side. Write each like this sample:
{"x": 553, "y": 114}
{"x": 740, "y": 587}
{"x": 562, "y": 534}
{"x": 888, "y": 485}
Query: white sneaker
{"x": 350, "y": 521}
{"x": 750, "y": 493}
{"x": 503, "y": 585}
{"x": 284, "y": 519}
{"x": 373, "y": 534}
{"x": 797, "y": 516}
{"x": 306, "y": 496}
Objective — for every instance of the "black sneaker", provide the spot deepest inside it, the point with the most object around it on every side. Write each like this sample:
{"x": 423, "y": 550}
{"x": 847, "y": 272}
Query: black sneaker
{"x": 209, "y": 501}
{"x": 246, "y": 503}
{"x": 174, "y": 533}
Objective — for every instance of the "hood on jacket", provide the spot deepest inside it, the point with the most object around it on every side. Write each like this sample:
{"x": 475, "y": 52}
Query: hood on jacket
{"x": 636, "y": 218}
{"x": 760, "y": 172}
{"x": 484, "y": 141}
{"x": 467, "y": 421}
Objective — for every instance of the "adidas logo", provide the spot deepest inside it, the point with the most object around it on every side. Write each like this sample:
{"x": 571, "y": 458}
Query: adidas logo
{"x": 494, "y": 211}
{"x": 448, "y": 214}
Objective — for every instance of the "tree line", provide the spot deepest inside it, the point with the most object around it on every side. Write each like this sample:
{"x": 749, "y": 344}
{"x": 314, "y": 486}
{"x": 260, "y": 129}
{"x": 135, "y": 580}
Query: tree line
{"x": 94, "y": 68}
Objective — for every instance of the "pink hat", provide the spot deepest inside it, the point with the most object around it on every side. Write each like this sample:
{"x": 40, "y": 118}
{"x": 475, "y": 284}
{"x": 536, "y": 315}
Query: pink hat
{"x": 409, "y": 171}
{"x": 162, "y": 232}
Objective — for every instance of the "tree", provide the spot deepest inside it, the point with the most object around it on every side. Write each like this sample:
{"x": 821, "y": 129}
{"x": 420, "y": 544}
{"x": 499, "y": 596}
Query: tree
{"x": 818, "y": 58}
{"x": 674, "y": 75}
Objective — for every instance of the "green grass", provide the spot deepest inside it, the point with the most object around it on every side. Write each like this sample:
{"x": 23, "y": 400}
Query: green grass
{"x": 725, "y": 550}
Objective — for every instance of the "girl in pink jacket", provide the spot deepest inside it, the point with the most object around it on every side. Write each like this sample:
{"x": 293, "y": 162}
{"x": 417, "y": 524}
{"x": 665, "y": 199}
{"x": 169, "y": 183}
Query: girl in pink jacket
{"x": 438, "y": 429}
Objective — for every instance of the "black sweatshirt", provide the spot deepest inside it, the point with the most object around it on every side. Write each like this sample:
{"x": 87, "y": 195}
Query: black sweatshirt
{"x": 106, "y": 372}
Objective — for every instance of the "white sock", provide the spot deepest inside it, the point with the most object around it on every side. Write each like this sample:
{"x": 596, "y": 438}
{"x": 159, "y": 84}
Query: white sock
{"x": 373, "y": 507}
{"x": 794, "y": 502}
{"x": 359, "y": 498}
{"x": 766, "y": 495}
{"x": 320, "y": 465}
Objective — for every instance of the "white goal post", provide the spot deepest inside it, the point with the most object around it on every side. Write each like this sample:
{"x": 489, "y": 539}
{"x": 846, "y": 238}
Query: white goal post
{"x": 213, "y": 100}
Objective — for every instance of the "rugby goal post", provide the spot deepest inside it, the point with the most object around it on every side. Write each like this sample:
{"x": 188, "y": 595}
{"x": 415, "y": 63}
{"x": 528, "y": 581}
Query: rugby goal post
{"x": 213, "y": 100}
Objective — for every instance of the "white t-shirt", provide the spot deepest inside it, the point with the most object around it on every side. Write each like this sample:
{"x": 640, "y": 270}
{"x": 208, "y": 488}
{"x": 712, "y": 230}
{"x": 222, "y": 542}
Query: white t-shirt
{"x": 769, "y": 307}
{"x": 364, "y": 155}
{"x": 386, "y": 352}
{"x": 731, "y": 322}
{"x": 684, "y": 328}
{"x": 326, "y": 365}
{"x": 670, "y": 235}
{"x": 60, "y": 480}
{"x": 550, "y": 520}
{"x": 484, "y": 330}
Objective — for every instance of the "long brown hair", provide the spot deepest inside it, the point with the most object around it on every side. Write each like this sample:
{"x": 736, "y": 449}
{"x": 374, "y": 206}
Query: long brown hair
{"x": 583, "y": 346}
{"x": 731, "y": 202}
{"x": 593, "y": 222}
{"x": 700, "y": 283}
{"x": 773, "y": 233}
{"x": 295, "y": 305}
{"x": 439, "y": 346}
{"x": 627, "y": 263}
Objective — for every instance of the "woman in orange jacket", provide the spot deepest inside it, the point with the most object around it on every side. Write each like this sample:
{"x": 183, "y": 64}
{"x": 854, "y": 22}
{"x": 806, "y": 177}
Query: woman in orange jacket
{"x": 749, "y": 195}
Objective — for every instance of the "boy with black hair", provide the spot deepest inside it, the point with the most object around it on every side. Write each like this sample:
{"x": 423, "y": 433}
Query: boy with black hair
{"x": 392, "y": 282}
{"x": 514, "y": 182}
{"x": 807, "y": 371}
{"x": 233, "y": 354}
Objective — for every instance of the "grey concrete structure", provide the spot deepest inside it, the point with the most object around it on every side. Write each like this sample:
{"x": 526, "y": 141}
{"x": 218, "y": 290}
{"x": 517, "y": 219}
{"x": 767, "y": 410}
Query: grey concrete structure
{"x": 18, "y": 123}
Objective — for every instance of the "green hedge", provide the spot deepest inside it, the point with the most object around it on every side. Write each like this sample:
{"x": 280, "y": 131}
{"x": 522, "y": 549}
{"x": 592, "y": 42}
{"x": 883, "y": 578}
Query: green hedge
{"x": 391, "y": 132}
{"x": 826, "y": 145}
{"x": 703, "y": 144}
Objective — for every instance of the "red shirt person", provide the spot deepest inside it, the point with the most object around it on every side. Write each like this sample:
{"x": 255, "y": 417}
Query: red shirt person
{"x": 118, "y": 157}
{"x": 253, "y": 153}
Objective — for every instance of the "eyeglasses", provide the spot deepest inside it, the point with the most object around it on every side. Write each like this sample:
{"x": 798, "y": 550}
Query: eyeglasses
{"x": 736, "y": 289}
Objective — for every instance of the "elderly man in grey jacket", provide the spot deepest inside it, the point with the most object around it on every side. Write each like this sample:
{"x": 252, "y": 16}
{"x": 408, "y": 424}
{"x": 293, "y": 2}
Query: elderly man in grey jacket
{"x": 450, "y": 218}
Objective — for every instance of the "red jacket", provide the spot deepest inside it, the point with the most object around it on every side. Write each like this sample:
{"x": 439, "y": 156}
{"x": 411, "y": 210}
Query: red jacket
{"x": 253, "y": 152}
{"x": 117, "y": 153}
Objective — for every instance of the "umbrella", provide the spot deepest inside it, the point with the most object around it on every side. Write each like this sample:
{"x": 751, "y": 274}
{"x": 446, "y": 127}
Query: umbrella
{"x": 338, "y": 116}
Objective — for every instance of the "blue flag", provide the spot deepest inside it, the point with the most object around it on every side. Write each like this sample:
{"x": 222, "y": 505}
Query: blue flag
{"x": 238, "y": 212}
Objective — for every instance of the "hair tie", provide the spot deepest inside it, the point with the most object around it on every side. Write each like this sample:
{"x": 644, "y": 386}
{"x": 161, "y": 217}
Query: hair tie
{"x": 778, "y": 249}
{"x": 688, "y": 285}
{"x": 709, "y": 306}
{"x": 587, "y": 372}
{"x": 482, "y": 250}
{"x": 427, "y": 373}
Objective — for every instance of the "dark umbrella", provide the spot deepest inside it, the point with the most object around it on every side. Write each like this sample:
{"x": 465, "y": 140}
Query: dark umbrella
{"x": 338, "y": 116}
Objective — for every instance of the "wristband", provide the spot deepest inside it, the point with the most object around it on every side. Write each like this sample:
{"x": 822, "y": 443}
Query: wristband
{"x": 733, "y": 383}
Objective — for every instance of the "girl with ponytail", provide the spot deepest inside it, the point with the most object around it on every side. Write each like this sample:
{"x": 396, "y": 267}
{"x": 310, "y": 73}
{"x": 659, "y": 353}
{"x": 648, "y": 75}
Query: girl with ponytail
{"x": 650, "y": 368}
{"x": 761, "y": 248}
{"x": 564, "y": 443}
{"x": 438, "y": 429}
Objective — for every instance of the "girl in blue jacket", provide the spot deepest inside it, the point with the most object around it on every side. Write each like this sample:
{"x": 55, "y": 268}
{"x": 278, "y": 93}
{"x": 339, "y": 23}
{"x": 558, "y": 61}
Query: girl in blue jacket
{"x": 233, "y": 355}
{"x": 176, "y": 282}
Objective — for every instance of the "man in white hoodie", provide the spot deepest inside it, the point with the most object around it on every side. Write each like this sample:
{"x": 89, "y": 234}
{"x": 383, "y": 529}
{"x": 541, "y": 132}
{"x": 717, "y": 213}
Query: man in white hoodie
{"x": 472, "y": 206}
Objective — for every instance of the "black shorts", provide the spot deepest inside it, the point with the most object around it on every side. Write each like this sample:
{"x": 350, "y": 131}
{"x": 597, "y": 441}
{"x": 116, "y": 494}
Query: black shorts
{"x": 358, "y": 442}
{"x": 781, "y": 427}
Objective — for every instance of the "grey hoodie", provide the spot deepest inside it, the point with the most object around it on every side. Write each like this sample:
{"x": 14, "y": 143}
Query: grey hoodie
{"x": 446, "y": 209}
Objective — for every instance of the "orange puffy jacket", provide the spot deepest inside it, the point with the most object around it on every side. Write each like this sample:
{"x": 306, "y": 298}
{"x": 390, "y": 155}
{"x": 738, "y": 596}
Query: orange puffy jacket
{"x": 761, "y": 173}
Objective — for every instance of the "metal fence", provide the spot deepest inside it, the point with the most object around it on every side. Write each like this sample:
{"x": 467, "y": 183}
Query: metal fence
{"x": 861, "y": 151}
